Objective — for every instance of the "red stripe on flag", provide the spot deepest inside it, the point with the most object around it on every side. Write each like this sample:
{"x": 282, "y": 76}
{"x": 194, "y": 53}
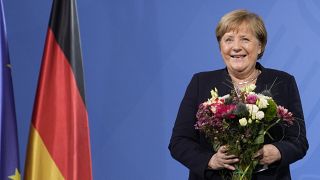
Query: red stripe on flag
{"x": 60, "y": 114}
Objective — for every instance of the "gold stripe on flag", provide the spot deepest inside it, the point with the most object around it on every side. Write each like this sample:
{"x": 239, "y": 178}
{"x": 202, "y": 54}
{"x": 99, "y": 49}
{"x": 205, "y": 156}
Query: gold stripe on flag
{"x": 41, "y": 165}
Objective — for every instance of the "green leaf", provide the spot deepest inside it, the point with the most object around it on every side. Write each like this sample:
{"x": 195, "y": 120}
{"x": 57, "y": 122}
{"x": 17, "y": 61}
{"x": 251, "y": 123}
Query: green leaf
{"x": 260, "y": 138}
{"x": 271, "y": 111}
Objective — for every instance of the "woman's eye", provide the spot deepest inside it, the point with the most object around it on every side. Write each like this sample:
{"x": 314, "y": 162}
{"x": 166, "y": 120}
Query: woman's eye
{"x": 228, "y": 40}
{"x": 245, "y": 39}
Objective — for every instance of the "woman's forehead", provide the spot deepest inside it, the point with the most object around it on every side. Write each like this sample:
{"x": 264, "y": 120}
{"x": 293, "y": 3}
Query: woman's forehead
{"x": 240, "y": 29}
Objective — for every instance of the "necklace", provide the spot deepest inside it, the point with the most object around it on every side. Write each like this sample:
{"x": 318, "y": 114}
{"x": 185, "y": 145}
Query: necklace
{"x": 238, "y": 85}
{"x": 249, "y": 80}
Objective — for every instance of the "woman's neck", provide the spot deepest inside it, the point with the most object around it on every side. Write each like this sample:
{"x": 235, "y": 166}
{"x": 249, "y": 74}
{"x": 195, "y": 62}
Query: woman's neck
{"x": 244, "y": 79}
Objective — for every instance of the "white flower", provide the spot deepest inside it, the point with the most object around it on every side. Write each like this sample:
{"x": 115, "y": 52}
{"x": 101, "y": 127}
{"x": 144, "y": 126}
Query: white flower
{"x": 214, "y": 93}
{"x": 263, "y": 96}
{"x": 249, "y": 88}
{"x": 252, "y": 87}
{"x": 260, "y": 115}
{"x": 252, "y": 108}
{"x": 249, "y": 120}
{"x": 262, "y": 101}
{"x": 243, "y": 121}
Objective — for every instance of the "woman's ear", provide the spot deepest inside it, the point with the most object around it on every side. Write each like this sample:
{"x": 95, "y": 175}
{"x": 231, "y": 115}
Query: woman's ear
{"x": 260, "y": 49}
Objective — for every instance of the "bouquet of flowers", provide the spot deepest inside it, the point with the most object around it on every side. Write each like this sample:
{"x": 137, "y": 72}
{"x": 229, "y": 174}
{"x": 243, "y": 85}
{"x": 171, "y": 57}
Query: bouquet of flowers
{"x": 240, "y": 120}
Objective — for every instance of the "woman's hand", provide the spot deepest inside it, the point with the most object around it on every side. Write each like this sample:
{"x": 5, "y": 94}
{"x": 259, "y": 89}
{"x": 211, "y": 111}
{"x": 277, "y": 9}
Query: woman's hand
{"x": 222, "y": 160}
{"x": 268, "y": 154}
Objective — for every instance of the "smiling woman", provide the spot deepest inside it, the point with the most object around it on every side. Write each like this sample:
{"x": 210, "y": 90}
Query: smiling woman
{"x": 240, "y": 49}
{"x": 242, "y": 38}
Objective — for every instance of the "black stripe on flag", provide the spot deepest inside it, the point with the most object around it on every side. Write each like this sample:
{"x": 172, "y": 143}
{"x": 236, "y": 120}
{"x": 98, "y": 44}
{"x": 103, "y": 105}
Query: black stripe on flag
{"x": 65, "y": 28}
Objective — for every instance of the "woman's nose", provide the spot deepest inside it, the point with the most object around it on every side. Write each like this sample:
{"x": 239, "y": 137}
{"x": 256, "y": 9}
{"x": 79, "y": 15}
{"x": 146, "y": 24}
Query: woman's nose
{"x": 236, "y": 46}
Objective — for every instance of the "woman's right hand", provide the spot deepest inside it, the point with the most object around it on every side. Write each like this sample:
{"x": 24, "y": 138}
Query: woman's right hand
{"x": 222, "y": 160}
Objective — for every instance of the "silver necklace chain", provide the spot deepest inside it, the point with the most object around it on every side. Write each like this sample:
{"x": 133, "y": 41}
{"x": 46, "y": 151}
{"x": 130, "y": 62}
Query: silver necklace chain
{"x": 255, "y": 77}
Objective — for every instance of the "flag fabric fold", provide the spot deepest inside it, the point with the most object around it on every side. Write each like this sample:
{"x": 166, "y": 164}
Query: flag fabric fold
{"x": 9, "y": 150}
{"x": 59, "y": 143}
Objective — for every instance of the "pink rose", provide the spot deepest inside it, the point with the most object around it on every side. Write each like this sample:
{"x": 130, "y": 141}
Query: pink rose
{"x": 251, "y": 99}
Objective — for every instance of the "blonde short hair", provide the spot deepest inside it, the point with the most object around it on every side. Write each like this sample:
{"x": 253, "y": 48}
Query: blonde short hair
{"x": 232, "y": 20}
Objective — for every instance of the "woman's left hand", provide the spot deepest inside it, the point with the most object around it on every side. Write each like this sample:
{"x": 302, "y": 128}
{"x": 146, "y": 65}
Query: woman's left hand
{"x": 268, "y": 154}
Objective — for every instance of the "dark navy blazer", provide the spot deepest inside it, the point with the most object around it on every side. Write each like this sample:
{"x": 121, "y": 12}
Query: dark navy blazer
{"x": 192, "y": 149}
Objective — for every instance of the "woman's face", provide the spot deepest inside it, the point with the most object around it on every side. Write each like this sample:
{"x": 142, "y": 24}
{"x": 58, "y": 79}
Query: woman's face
{"x": 240, "y": 49}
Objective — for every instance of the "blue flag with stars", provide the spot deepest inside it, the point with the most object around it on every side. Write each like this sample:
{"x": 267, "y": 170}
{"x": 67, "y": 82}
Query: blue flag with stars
{"x": 9, "y": 152}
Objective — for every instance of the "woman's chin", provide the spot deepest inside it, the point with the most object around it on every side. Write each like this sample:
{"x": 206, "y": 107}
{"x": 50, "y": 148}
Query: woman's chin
{"x": 238, "y": 68}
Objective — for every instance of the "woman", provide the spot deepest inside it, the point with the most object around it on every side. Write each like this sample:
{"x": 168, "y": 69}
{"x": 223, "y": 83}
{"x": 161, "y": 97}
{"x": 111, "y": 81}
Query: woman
{"x": 242, "y": 38}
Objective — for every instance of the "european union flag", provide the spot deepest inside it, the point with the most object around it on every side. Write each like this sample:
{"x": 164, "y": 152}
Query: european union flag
{"x": 9, "y": 152}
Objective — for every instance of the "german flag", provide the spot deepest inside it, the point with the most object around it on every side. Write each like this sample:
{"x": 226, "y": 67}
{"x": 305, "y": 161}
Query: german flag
{"x": 59, "y": 145}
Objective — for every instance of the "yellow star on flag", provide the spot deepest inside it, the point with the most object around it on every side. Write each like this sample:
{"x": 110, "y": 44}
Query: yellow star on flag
{"x": 16, "y": 175}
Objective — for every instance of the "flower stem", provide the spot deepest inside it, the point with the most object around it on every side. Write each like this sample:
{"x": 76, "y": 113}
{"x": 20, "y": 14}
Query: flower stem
{"x": 271, "y": 126}
{"x": 245, "y": 171}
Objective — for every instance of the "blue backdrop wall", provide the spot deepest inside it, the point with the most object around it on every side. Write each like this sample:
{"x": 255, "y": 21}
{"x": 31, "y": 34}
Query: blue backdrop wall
{"x": 138, "y": 59}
